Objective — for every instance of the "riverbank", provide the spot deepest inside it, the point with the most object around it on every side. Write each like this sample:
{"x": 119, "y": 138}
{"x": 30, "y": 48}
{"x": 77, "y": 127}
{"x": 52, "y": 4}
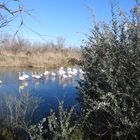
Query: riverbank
{"x": 40, "y": 60}
{"x": 22, "y": 53}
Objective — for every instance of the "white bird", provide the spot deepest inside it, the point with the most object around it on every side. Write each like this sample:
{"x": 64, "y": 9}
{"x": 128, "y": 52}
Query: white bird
{"x": 36, "y": 76}
{"x": 70, "y": 72}
{"x": 1, "y": 82}
{"x": 41, "y": 74}
{"x": 21, "y": 77}
{"x": 61, "y": 72}
{"x": 69, "y": 75}
{"x": 25, "y": 75}
{"x": 53, "y": 74}
{"x": 74, "y": 71}
{"x": 46, "y": 72}
{"x": 33, "y": 75}
{"x": 68, "y": 69}
{"x": 65, "y": 76}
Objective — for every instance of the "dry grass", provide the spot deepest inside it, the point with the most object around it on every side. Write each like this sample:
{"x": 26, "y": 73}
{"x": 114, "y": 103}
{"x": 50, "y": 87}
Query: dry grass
{"x": 48, "y": 60}
{"x": 20, "y": 54}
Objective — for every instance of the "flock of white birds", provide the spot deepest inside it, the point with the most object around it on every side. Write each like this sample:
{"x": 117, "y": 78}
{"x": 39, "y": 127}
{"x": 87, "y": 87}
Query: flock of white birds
{"x": 68, "y": 73}
{"x": 64, "y": 73}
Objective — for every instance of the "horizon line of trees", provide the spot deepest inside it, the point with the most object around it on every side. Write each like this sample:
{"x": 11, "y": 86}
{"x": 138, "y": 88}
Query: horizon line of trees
{"x": 22, "y": 45}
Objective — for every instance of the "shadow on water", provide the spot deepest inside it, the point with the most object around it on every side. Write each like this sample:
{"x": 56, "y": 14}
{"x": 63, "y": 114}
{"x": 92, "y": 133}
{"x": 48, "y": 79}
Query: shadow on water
{"x": 24, "y": 103}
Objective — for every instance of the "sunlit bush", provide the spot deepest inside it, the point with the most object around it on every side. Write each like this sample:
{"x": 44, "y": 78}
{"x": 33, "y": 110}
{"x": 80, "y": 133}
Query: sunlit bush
{"x": 110, "y": 93}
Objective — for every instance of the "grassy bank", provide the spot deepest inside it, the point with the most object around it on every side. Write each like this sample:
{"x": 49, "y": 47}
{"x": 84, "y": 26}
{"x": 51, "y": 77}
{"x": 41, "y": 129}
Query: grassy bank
{"x": 48, "y": 60}
{"x": 21, "y": 53}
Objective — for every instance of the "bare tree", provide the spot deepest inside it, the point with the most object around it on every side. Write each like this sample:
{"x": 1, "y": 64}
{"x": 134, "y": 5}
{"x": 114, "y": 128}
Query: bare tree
{"x": 8, "y": 13}
{"x": 60, "y": 42}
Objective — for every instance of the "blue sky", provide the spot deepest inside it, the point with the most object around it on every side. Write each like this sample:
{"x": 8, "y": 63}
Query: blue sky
{"x": 64, "y": 18}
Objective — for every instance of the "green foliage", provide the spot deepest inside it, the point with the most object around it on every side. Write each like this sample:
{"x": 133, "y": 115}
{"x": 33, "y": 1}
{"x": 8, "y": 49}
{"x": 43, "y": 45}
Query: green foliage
{"x": 110, "y": 91}
{"x": 63, "y": 124}
{"x": 17, "y": 116}
{"x": 5, "y": 133}
{"x": 36, "y": 132}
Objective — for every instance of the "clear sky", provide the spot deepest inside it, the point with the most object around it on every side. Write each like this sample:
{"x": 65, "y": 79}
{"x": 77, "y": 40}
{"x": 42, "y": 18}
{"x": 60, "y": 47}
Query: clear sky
{"x": 66, "y": 18}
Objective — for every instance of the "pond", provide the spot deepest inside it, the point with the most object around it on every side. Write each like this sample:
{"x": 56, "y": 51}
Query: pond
{"x": 22, "y": 98}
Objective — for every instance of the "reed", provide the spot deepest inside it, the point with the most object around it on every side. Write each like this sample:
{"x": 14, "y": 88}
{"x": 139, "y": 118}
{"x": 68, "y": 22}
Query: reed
{"x": 21, "y": 53}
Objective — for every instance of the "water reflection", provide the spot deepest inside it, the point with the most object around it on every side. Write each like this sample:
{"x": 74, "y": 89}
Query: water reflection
{"x": 26, "y": 102}
{"x": 23, "y": 86}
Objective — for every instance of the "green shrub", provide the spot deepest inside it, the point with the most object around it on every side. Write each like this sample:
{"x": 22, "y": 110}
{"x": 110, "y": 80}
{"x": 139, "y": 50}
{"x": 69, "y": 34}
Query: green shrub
{"x": 110, "y": 91}
{"x": 63, "y": 125}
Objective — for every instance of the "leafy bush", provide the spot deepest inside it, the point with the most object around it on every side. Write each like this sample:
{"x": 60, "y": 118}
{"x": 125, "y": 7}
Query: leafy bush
{"x": 64, "y": 125}
{"x": 60, "y": 125}
{"x": 110, "y": 91}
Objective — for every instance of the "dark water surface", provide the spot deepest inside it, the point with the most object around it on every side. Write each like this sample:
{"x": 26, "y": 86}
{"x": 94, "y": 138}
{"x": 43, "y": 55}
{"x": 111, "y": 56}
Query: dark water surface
{"x": 34, "y": 96}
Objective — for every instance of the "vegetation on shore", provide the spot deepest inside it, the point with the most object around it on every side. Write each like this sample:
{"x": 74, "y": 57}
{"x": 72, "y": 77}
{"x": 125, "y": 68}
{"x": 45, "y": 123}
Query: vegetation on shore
{"x": 20, "y": 52}
{"x": 110, "y": 91}
{"x": 109, "y": 94}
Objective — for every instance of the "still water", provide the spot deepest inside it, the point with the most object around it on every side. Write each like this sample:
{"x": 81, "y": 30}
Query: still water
{"x": 34, "y": 96}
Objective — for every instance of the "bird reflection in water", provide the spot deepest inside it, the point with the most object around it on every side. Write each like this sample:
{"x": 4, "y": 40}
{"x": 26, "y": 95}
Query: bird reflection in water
{"x": 63, "y": 82}
{"x": 22, "y": 86}
{"x": 53, "y": 78}
{"x": 37, "y": 82}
